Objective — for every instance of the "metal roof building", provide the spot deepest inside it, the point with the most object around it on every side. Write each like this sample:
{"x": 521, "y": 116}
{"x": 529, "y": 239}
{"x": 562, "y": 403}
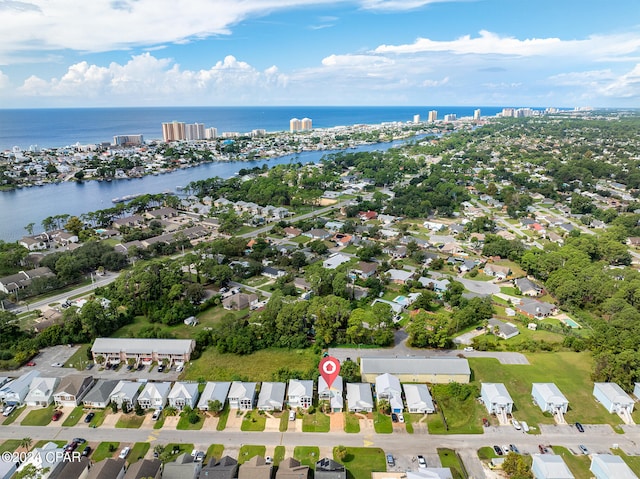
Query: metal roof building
{"x": 417, "y": 370}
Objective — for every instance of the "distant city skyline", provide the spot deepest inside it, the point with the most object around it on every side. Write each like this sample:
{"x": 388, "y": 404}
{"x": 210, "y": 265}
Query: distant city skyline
{"x": 542, "y": 53}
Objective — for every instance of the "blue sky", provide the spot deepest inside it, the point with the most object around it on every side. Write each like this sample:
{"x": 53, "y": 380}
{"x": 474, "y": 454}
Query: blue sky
{"x": 539, "y": 53}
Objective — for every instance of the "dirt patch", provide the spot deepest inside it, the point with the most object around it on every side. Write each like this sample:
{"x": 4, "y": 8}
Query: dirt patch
{"x": 337, "y": 421}
{"x": 272, "y": 424}
{"x": 171, "y": 422}
{"x": 234, "y": 422}
{"x": 110, "y": 420}
{"x": 210, "y": 423}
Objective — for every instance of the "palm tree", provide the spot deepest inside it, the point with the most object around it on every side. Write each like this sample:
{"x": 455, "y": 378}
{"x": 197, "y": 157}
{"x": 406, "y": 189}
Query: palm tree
{"x": 25, "y": 443}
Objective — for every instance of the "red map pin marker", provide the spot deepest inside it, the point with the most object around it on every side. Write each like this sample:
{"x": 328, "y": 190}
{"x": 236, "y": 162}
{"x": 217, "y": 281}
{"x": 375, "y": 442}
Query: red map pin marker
{"x": 329, "y": 369}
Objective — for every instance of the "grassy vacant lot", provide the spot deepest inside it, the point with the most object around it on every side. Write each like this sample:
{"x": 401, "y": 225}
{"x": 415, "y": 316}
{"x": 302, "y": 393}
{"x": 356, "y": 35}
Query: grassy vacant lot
{"x": 362, "y": 461}
{"x": 316, "y": 422}
{"x": 79, "y": 359}
{"x": 253, "y": 421}
{"x": 579, "y": 465}
{"x": 215, "y": 450}
{"x": 382, "y": 423}
{"x": 449, "y": 458}
{"x": 278, "y": 455}
{"x": 185, "y": 425}
{"x": 98, "y": 419}
{"x": 39, "y": 417}
{"x": 248, "y": 451}
{"x": 138, "y": 451}
{"x": 284, "y": 421}
{"x": 259, "y": 366}
{"x": 571, "y": 372}
{"x": 351, "y": 423}
{"x": 130, "y": 421}
{"x": 307, "y": 455}
{"x": 178, "y": 448}
{"x": 10, "y": 445}
{"x": 105, "y": 450}
{"x": 74, "y": 417}
{"x": 463, "y": 417}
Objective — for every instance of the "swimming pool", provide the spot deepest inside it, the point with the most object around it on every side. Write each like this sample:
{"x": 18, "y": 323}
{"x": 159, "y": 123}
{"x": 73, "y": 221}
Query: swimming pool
{"x": 571, "y": 323}
{"x": 400, "y": 299}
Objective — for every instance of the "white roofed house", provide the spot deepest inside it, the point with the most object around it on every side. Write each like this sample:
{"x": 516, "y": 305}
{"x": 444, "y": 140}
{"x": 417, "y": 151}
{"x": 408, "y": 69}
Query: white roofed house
{"x": 550, "y": 399}
{"x": 418, "y": 399}
{"x": 609, "y": 466}
{"x": 388, "y": 387}
{"x": 154, "y": 395}
{"x": 503, "y": 330}
{"x": 359, "y": 397}
{"x": 497, "y": 400}
{"x": 46, "y": 459}
{"x": 333, "y": 394}
{"x": 125, "y": 394}
{"x": 496, "y": 270}
{"x": 550, "y": 466}
{"x": 14, "y": 393}
{"x": 183, "y": 394}
{"x": 242, "y": 395}
{"x": 41, "y": 391}
{"x": 271, "y": 397}
{"x": 213, "y": 391}
{"x": 614, "y": 399}
{"x": 300, "y": 393}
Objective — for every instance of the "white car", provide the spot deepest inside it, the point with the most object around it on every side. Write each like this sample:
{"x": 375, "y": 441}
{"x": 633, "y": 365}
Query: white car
{"x": 156, "y": 414}
{"x": 468, "y": 349}
{"x": 400, "y": 417}
{"x": 422, "y": 462}
{"x": 57, "y": 365}
{"x": 268, "y": 460}
{"x": 292, "y": 416}
{"x": 8, "y": 410}
{"x": 124, "y": 453}
{"x": 516, "y": 425}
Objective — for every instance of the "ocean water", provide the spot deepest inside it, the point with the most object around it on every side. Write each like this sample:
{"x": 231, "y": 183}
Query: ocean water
{"x": 49, "y": 128}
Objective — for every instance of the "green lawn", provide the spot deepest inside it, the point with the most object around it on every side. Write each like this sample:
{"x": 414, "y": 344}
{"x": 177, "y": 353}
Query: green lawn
{"x": 39, "y": 417}
{"x": 632, "y": 461}
{"x": 179, "y": 448}
{"x": 382, "y": 423}
{"x": 410, "y": 420}
{"x": 316, "y": 422}
{"x": 248, "y": 451}
{"x": 362, "y": 461}
{"x": 79, "y": 359}
{"x": 138, "y": 451}
{"x": 284, "y": 421}
{"x": 222, "y": 418}
{"x": 307, "y": 455}
{"x": 13, "y": 416}
{"x": 253, "y": 421}
{"x": 10, "y": 445}
{"x": 571, "y": 372}
{"x": 463, "y": 417}
{"x": 485, "y": 453}
{"x": 185, "y": 425}
{"x": 510, "y": 290}
{"x": 278, "y": 455}
{"x": 579, "y": 465}
{"x": 215, "y": 450}
{"x": 130, "y": 421}
{"x": 351, "y": 423}
{"x": 73, "y": 418}
{"x": 259, "y": 366}
{"x": 449, "y": 458}
{"x": 103, "y": 451}
{"x": 98, "y": 419}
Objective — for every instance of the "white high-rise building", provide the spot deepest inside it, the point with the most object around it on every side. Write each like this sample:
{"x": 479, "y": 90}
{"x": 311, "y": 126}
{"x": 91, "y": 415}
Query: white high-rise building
{"x": 306, "y": 124}
{"x": 433, "y": 116}
{"x": 476, "y": 114}
{"x": 295, "y": 124}
{"x": 211, "y": 133}
{"x": 416, "y": 118}
{"x": 174, "y": 131}
{"x": 194, "y": 131}
{"x": 450, "y": 117}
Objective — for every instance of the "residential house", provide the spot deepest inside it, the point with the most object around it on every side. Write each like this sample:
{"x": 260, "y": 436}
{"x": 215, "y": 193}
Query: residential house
{"x": 225, "y": 468}
{"x": 300, "y": 393}
{"x": 35, "y": 242}
{"x": 536, "y": 309}
{"x": 162, "y": 213}
{"x": 46, "y": 459}
{"x": 255, "y": 468}
{"x": 367, "y": 215}
{"x": 399, "y": 276}
{"x": 132, "y": 221}
{"x": 451, "y": 248}
{"x": 242, "y": 395}
{"x": 496, "y": 270}
{"x": 318, "y": 234}
{"x": 41, "y": 391}
{"x": 342, "y": 239}
{"x": 503, "y": 330}
{"x": 496, "y": 399}
{"x": 549, "y": 398}
{"x": 506, "y": 235}
{"x": 388, "y": 219}
{"x": 418, "y": 399}
{"x": 183, "y": 394}
{"x": 397, "y": 308}
{"x": 273, "y": 273}
{"x": 184, "y": 467}
{"x": 125, "y": 394}
{"x": 396, "y": 251}
{"x": 291, "y": 232}
{"x": 239, "y": 301}
{"x": 329, "y": 469}
{"x": 292, "y": 469}
{"x": 154, "y": 395}
{"x": 14, "y": 392}
{"x": 550, "y": 466}
{"x": 610, "y": 466}
{"x": 436, "y": 285}
{"x": 614, "y": 399}
{"x": 421, "y": 473}
{"x": 8, "y": 468}
{"x": 213, "y": 391}
{"x": 456, "y": 229}
{"x": 100, "y": 394}
{"x": 388, "y": 388}
{"x": 271, "y": 396}
{"x": 434, "y": 226}
{"x": 527, "y": 287}
{"x": 144, "y": 351}
{"x": 359, "y": 397}
{"x": 22, "y": 279}
{"x": 145, "y": 469}
{"x": 333, "y": 394}
{"x": 335, "y": 260}
{"x": 365, "y": 269}
{"x": 301, "y": 283}
{"x": 72, "y": 469}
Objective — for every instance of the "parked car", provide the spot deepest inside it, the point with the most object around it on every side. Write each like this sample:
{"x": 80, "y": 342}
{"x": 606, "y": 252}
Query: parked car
{"x": 57, "y": 365}
{"x": 56, "y": 415}
{"x": 124, "y": 453}
{"x": 485, "y": 422}
{"x": 525, "y": 426}
{"x": 179, "y": 368}
{"x": 79, "y": 440}
{"x": 468, "y": 349}
{"x": 89, "y": 417}
{"x": 498, "y": 450}
{"x": 8, "y": 410}
{"x": 86, "y": 451}
{"x": 542, "y": 448}
{"x": 156, "y": 414}
{"x": 422, "y": 462}
{"x": 268, "y": 460}
{"x": 394, "y": 417}
{"x": 198, "y": 456}
{"x": 516, "y": 425}
{"x": 292, "y": 415}
{"x": 514, "y": 448}
{"x": 583, "y": 449}
{"x": 390, "y": 460}
{"x": 401, "y": 417}
{"x": 579, "y": 427}
{"x": 31, "y": 363}
{"x": 71, "y": 446}
{"x": 160, "y": 368}
{"x": 89, "y": 366}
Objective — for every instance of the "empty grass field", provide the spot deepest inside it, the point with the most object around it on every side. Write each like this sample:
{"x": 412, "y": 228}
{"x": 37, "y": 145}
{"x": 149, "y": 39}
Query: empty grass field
{"x": 248, "y": 451}
{"x": 253, "y": 421}
{"x": 130, "y": 421}
{"x": 104, "y": 450}
{"x": 307, "y": 455}
{"x": 215, "y": 450}
{"x": 138, "y": 452}
{"x": 74, "y": 417}
{"x": 382, "y": 423}
{"x": 362, "y": 461}
{"x": 316, "y": 422}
